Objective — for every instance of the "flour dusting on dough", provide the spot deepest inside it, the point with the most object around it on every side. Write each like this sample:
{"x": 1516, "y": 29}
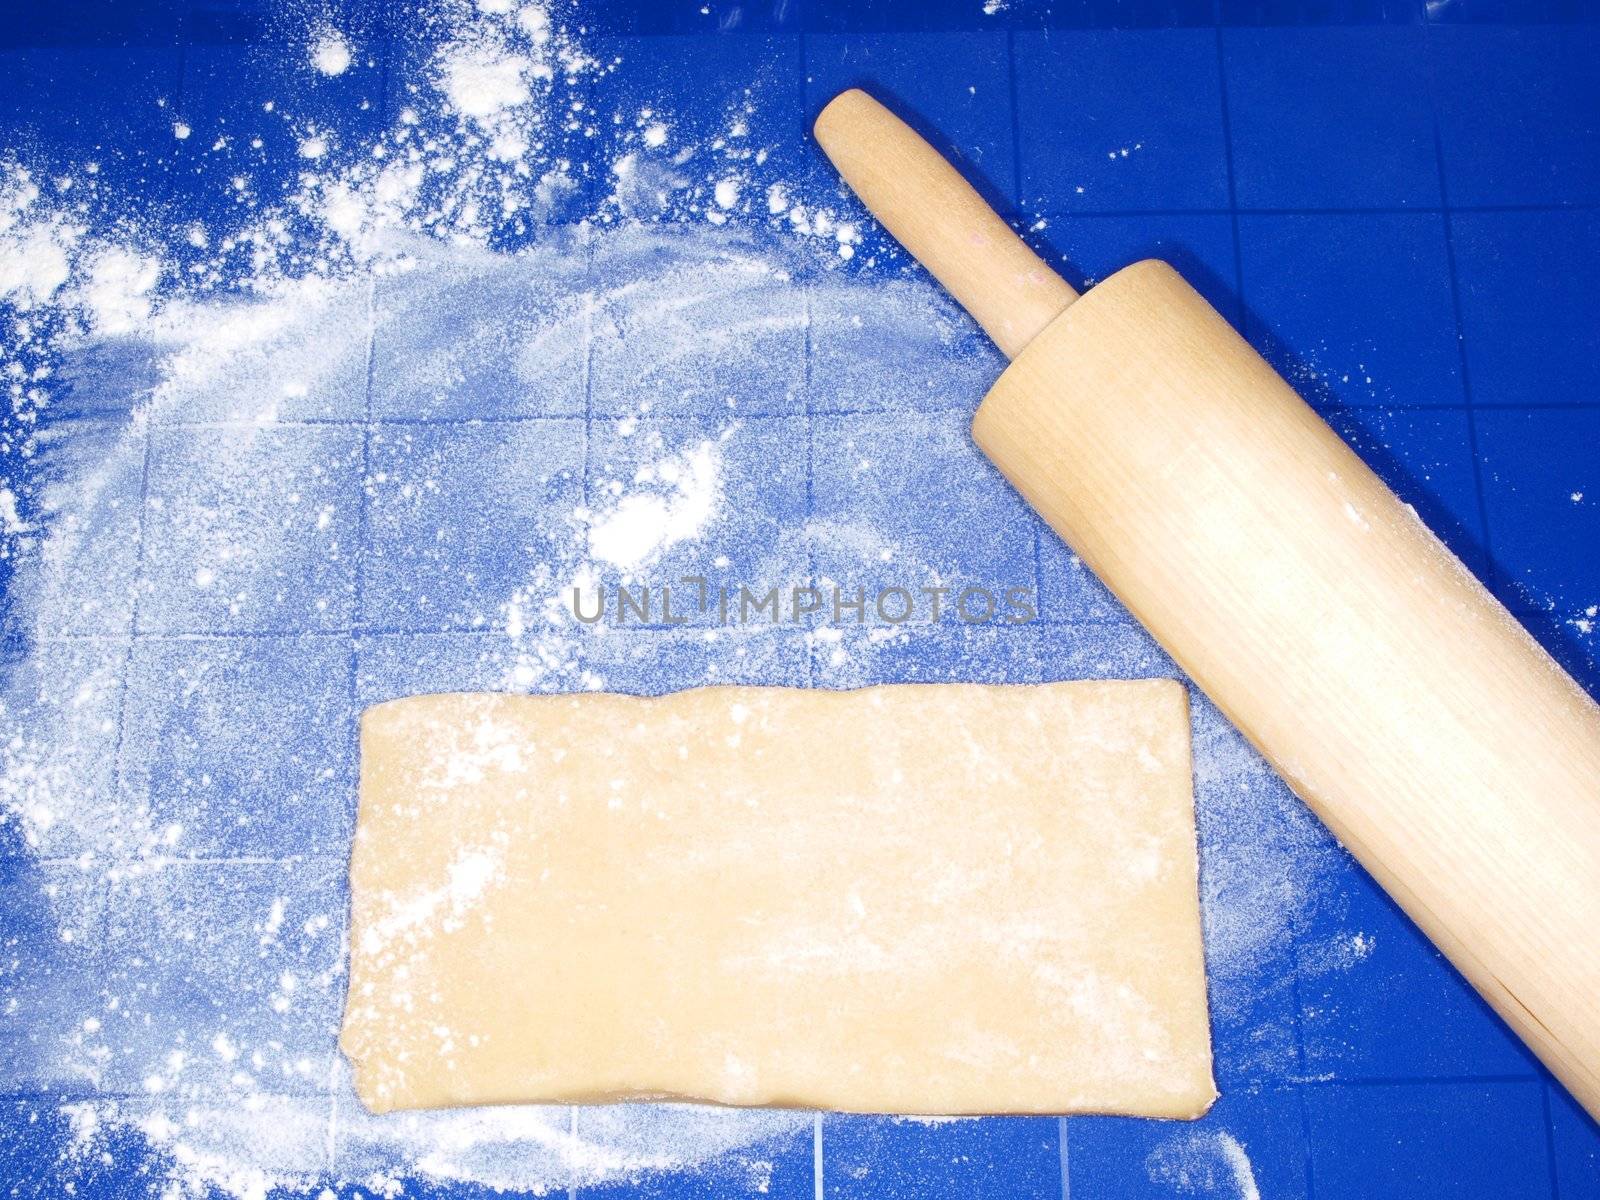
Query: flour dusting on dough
{"x": 468, "y": 879}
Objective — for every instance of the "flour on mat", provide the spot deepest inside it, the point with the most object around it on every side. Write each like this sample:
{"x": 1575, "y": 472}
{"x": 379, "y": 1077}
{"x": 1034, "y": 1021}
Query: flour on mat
{"x": 330, "y": 52}
{"x": 1265, "y": 862}
{"x": 1203, "y": 1163}
{"x": 671, "y": 501}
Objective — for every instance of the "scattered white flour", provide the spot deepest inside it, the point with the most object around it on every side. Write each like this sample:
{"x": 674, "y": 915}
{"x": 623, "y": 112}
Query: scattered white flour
{"x": 1203, "y": 1164}
{"x": 117, "y": 290}
{"x": 330, "y": 52}
{"x": 36, "y": 243}
{"x": 10, "y": 522}
{"x": 643, "y": 524}
{"x": 1265, "y": 865}
{"x": 484, "y": 80}
{"x": 1338, "y": 953}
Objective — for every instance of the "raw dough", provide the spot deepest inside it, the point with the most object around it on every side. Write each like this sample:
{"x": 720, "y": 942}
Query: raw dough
{"x": 912, "y": 899}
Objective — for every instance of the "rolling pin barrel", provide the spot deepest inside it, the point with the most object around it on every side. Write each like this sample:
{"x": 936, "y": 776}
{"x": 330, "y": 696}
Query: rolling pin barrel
{"x": 1397, "y": 697}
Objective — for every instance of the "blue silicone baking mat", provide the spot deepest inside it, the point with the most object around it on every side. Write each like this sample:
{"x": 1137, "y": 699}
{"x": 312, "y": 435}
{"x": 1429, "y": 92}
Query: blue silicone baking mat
{"x": 338, "y": 337}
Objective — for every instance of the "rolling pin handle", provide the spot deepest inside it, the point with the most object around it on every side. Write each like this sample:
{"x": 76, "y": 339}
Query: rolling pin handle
{"x": 940, "y": 218}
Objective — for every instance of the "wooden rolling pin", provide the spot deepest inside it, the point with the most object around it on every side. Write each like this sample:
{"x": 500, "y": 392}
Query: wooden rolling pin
{"x": 1396, "y": 696}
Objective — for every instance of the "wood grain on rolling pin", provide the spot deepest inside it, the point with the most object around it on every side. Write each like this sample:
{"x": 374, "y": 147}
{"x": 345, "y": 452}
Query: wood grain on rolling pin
{"x": 1435, "y": 737}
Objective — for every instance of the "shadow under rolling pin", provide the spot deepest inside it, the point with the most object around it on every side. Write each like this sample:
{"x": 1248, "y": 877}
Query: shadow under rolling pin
{"x": 1397, "y": 697}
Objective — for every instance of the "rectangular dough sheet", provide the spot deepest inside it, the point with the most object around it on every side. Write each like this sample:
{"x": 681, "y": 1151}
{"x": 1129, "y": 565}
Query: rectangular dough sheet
{"x": 941, "y": 898}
